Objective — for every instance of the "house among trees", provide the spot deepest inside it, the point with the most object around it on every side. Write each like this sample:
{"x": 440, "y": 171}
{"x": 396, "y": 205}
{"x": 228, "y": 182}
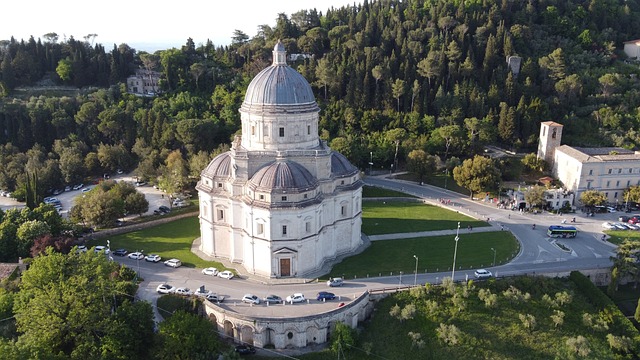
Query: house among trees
{"x": 632, "y": 49}
{"x": 143, "y": 82}
{"x": 609, "y": 170}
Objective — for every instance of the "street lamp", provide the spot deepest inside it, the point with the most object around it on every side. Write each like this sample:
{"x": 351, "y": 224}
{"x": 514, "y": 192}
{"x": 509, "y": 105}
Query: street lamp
{"x": 415, "y": 275}
{"x": 370, "y": 162}
{"x": 455, "y": 252}
{"x": 138, "y": 257}
{"x": 494, "y": 256}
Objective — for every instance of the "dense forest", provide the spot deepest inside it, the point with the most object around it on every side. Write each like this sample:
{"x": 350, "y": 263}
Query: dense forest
{"x": 419, "y": 74}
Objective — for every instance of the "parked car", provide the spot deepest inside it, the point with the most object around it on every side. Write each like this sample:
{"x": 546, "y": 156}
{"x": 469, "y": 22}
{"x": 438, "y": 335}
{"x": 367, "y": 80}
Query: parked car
{"x": 210, "y": 271}
{"x": 136, "y": 256}
{"x": 632, "y": 226}
{"x": 120, "y": 252}
{"x": 325, "y": 295}
{"x": 50, "y": 200}
{"x": 226, "y": 274}
{"x": 141, "y": 183}
{"x": 57, "y": 191}
{"x": 251, "y": 299}
{"x": 272, "y": 299}
{"x": 77, "y": 186}
{"x": 183, "y": 291}
{"x": 165, "y": 289}
{"x": 67, "y": 188}
{"x": 101, "y": 248}
{"x": 153, "y": 258}
{"x": 609, "y": 226}
{"x": 81, "y": 248}
{"x": 215, "y": 298}
{"x": 482, "y": 274}
{"x": 86, "y": 190}
{"x": 295, "y": 298}
{"x": 611, "y": 209}
{"x": 119, "y": 171}
{"x": 180, "y": 203}
{"x": 333, "y": 282}
{"x": 174, "y": 263}
{"x": 634, "y": 220}
{"x": 623, "y": 218}
{"x": 245, "y": 349}
{"x": 164, "y": 209}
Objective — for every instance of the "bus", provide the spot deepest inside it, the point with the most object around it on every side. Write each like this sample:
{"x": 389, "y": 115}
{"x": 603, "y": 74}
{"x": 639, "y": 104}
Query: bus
{"x": 562, "y": 231}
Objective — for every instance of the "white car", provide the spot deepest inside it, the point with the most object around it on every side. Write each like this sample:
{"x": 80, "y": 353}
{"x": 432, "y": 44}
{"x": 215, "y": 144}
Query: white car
{"x": 183, "y": 291}
{"x": 153, "y": 258}
{"x": 77, "y": 186}
{"x": 100, "y": 248}
{"x": 608, "y": 226}
{"x": 251, "y": 299}
{"x": 215, "y": 298}
{"x": 86, "y": 190}
{"x": 210, "y": 271}
{"x": 295, "y": 298}
{"x": 482, "y": 274}
{"x": 174, "y": 263}
{"x": 333, "y": 282}
{"x": 165, "y": 289}
{"x": 81, "y": 248}
{"x": 226, "y": 274}
{"x": 136, "y": 255}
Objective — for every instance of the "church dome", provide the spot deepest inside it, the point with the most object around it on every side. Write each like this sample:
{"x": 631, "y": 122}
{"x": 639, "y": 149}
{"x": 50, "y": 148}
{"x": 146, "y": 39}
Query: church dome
{"x": 340, "y": 166}
{"x": 279, "y": 84}
{"x": 283, "y": 176}
{"x": 219, "y": 166}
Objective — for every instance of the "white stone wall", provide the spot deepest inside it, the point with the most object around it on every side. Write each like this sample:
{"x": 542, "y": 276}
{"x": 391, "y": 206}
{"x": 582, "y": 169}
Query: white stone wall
{"x": 287, "y": 332}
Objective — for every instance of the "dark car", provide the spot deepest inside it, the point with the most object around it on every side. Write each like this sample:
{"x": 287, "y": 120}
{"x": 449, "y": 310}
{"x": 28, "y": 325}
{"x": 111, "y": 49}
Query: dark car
{"x": 120, "y": 252}
{"x": 164, "y": 209}
{"x": 325, "y": 295}
{"x": 245, "y": 349}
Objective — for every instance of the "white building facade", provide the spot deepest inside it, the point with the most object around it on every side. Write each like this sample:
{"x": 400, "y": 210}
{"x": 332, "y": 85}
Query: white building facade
{"x": 280, "y": 203}
{"x": 609, "y": 170}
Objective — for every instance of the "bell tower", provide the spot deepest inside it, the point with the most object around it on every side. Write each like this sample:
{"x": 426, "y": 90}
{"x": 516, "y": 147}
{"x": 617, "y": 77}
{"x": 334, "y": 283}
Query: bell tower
{"x": 550, "y": 136}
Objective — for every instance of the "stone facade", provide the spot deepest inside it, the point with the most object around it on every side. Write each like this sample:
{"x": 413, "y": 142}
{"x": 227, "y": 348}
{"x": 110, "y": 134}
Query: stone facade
{"x": 290, "y": 332}
{"x": 280, "y": 203}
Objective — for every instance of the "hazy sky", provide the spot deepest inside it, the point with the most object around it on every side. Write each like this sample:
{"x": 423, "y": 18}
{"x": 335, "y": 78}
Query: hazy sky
{"x": 148, "y": 25}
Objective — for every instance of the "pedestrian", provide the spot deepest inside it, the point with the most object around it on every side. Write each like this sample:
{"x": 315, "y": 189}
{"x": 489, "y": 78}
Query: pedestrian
{"x": 162, "y": 196}
{"x": 470, "y": 228}
{"x": 501, "y": 227}
{"x": 509, "y": 216}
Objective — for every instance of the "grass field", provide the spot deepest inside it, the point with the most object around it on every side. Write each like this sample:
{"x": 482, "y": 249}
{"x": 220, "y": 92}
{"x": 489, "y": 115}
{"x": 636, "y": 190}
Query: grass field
{"x": 389, "y": 217}
{"x": 170, "y": 240}
{"x": 618, "y": 236}
{"x": 373, "y": 192}
{"x": 434, "y": 254}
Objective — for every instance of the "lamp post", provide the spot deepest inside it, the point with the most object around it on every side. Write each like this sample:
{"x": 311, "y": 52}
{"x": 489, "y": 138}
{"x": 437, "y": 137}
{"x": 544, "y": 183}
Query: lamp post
{"x": 494, "y": 256}
{"x": 370, "y": 161}
{"x": 455, "y": 252}
{"x": 138, "y": 257}
{"x": 109, "y": 250}
{"x": 415, "y": 275}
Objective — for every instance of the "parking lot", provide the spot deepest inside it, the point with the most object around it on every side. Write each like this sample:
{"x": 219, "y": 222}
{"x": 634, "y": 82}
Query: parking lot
{"x": 155, "y": 197}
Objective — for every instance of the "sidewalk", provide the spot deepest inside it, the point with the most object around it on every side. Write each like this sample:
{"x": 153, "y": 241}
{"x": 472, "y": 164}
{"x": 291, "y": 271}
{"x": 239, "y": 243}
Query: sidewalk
{"x": 432, "y": 233}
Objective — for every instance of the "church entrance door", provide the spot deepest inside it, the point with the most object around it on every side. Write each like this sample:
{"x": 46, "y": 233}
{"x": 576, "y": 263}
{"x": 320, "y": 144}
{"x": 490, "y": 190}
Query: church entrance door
{"x": 285, "y": 267}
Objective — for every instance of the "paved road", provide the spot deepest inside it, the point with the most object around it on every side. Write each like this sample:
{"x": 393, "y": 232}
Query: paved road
{"x": 538, "y": 254}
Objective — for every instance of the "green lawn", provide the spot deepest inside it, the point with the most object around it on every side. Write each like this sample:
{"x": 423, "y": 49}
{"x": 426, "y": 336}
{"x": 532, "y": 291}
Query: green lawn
{"x": 618, "y": 236}
{"x": 373, "y": 192}
{"x": 389, "y": 217}
{"x": 170, "y": 240}
{"x": 434, "y": 254}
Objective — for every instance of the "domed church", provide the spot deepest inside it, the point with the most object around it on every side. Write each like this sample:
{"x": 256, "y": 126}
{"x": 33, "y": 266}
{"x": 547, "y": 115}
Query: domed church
{"x": 280, "y": 203}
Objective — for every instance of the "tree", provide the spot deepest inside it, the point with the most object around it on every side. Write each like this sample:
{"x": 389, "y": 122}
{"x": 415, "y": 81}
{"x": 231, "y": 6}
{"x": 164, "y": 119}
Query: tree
{"x": 637, "y": 313}
{"x": 591, "y": 198}
{"x": 533, "y": 163}
{"x": 342, "y": 338}
{"x": 421, "y": 163}
{"x": 64, "y": 70}
{"x": 185, "y": 336}
{"x": 136, "y": 203}
{"x": 578, "y": 346}
{"x": 396, "y": 135}
{"x": 477, "y": 174}
{"x": 448, "y": 334}
{"x": 535, "y": 196}
{"x": 52, "y": 318}
{"x": 326, "y": 74}
{"x": 398, "y": 89}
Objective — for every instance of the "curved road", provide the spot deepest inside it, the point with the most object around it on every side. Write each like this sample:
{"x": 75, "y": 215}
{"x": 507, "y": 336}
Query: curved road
{"x": 538, "y": 254}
